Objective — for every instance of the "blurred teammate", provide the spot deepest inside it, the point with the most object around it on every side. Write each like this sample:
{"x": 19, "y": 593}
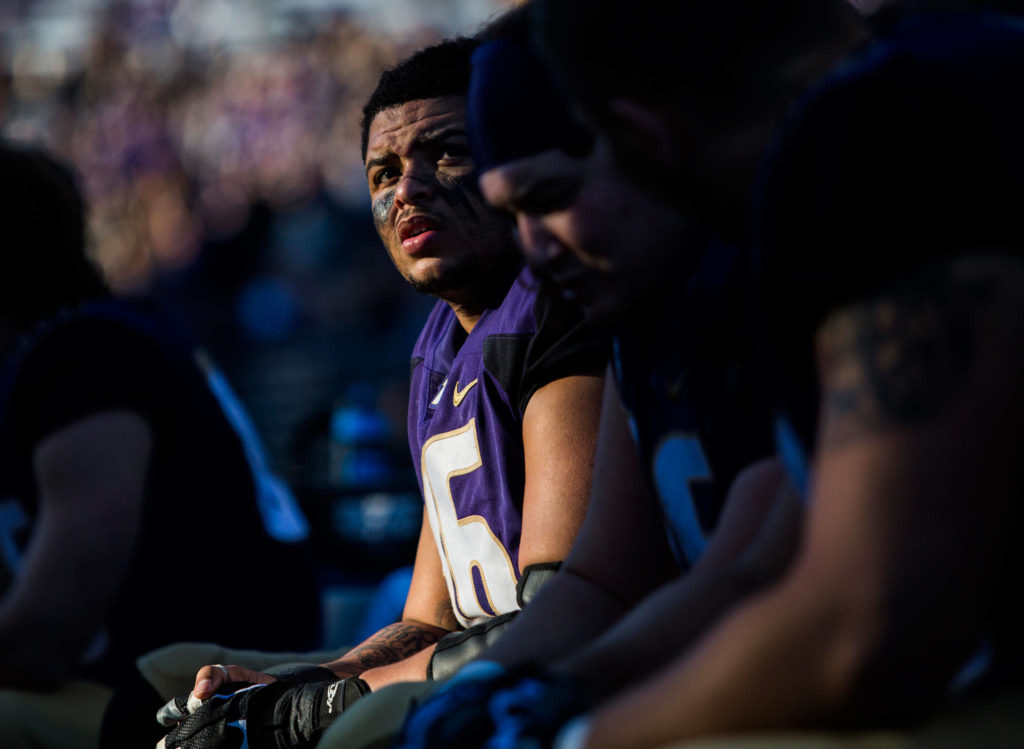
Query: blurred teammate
{"x": 121, "y": 452}
{"x": 889, "y": 238}
{"x": 502, "y": 417}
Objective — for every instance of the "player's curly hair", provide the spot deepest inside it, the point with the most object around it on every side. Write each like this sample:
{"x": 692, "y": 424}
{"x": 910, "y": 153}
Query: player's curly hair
{"x": 43, "y": 261}
{"x": 439, "y": 70}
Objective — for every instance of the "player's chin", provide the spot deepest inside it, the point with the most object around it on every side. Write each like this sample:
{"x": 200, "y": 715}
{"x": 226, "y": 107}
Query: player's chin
{"x": 423, "y": 272}
{"x": 442, "y": 278}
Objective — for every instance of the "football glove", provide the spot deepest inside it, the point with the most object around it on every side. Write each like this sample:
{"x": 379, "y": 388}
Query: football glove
{"x": 179, "y": 708}
{"x": 266, "y": 716}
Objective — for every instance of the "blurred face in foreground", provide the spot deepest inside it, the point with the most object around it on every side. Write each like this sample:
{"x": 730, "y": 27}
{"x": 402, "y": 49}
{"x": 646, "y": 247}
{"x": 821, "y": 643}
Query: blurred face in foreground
{"x": 438, "y": 230}
{"x": 598, "y": 237}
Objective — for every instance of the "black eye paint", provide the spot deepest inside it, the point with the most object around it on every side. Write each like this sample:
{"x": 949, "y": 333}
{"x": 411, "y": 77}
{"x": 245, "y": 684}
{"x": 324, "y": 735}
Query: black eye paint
{"x": 381, "y": 209}
{"x": 455, "y": 191}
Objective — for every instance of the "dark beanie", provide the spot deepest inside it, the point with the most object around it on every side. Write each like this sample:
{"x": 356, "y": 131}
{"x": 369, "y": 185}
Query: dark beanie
{"x": 515, "y": 110}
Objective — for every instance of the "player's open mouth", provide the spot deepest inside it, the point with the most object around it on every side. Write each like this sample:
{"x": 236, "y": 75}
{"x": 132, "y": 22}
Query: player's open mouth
{"x": 416, "y": 232}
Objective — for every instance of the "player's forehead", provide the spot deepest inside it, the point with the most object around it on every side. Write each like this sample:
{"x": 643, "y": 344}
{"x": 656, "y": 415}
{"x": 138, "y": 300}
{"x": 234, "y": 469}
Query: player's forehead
{"x": 508, "y": 183}
{"x": 399, "y": 129}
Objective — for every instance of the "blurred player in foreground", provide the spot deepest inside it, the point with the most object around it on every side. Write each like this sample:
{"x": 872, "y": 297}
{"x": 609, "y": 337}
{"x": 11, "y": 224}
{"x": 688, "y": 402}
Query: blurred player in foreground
{"x": 888, "y": 239}
{"x": 502, "y": 418}
{"x": 121, "y": 450}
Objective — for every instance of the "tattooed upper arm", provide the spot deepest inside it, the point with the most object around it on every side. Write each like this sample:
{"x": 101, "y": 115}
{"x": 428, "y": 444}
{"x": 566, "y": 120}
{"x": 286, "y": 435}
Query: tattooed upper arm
{"x": 905, "y": 355}
{"x": 445, "y": 615}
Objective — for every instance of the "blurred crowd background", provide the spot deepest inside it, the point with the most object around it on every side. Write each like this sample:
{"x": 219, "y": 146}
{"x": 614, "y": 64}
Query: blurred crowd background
{"x": 218, "y": 144}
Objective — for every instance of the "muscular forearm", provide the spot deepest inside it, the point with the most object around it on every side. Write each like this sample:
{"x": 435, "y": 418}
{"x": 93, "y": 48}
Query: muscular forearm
{"x": 91, "y": 478}
{"x": 773, "y": 663}
{"x": 663, "y": 625}
{"x": 50, "y": 614}
{"x": 754, "y": 543}
{"x": 391, "y": 645}
{"x": 569, "y": 612}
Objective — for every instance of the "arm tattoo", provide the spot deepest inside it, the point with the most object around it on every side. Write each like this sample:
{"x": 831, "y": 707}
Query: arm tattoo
{"x": 390, "y": 645}
{"x": 445, "y": 616}
{"x": 898, "y": 359}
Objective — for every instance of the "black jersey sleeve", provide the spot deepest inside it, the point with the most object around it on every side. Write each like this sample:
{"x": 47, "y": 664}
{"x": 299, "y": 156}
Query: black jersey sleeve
{"x": 73, "y": 368}
{"x": 564, "y": 344}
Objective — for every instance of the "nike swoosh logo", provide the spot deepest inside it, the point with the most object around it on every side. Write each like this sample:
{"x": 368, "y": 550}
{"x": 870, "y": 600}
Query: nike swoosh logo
{"x": 458, "y": 395}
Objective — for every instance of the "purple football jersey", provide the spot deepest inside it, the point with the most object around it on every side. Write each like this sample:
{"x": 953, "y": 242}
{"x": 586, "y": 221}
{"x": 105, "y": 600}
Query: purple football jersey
{"x": 465, "y": 432}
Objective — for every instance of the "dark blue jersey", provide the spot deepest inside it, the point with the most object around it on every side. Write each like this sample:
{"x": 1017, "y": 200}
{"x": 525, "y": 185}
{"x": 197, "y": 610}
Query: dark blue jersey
{"x": 686, "y": 378}
{"x": 467, "y": 401}
{"x": 206, "y": 480}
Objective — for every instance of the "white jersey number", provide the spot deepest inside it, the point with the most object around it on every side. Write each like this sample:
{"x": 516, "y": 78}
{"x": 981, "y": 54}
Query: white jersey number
{"x": 465, "y": 543}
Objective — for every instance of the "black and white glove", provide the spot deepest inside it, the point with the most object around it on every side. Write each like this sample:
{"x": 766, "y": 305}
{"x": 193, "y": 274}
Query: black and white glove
{"x": 179, "y": 708}
{"x": 281, "y": 715}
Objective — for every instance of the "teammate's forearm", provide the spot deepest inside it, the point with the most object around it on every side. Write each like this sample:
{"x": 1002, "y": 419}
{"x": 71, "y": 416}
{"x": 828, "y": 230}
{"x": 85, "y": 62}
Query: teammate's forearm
{"x": 89, "y": 474}
{"x": 394, "y": 643}
{"x": 660, "y": 627}
{"x": 48, "y": 617}
{"x": 753, "y": 545}
{"x": 567, "y": 613}
{"x": 787, "y": 658}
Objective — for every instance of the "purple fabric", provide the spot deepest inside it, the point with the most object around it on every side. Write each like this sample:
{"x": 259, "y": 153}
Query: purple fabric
{"x": 494, "y": 490}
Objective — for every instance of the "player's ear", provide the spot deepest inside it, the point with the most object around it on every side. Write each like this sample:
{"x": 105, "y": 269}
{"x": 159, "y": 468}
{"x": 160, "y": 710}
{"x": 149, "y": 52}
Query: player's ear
{"x": 644, "y": 129}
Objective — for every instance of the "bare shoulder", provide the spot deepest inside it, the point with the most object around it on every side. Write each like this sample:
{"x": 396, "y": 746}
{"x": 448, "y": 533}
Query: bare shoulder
{"x": 909, "y": 354}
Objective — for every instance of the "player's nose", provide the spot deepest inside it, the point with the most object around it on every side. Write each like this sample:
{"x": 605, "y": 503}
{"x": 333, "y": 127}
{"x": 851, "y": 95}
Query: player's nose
{"x": 540, "y": 246}
{"x": 415, "y": 185}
